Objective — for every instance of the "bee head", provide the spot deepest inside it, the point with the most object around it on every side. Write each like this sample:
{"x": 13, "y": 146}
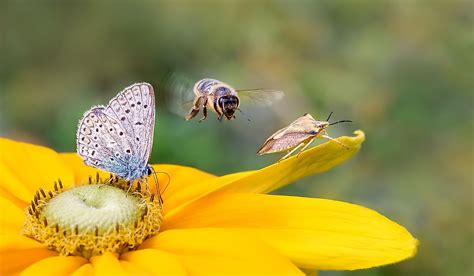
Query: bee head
{"x": 229, "y": 105}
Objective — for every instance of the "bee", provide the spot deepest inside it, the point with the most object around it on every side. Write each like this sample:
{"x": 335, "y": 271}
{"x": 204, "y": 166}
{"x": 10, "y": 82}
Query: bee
{"x": 224, "y": 100}
{"x": 298, "y": 135}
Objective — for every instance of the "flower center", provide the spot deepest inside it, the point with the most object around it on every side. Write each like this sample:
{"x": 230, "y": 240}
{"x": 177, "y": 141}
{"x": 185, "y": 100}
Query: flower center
{"x": 92, "y": 219}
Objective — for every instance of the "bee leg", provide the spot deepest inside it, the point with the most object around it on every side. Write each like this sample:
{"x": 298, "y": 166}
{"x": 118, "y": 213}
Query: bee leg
{"x": 291, "y": 152}
{"x": 192, "y": 113}
{"x": 204, "y": 111}
{"x": 220, "y": 117}
{"x": 195, "y": 109}
{"x": 332, "y": 139}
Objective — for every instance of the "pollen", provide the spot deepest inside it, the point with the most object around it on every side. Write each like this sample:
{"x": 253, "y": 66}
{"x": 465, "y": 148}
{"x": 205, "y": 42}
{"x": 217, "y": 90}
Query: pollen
{"x": 104, "y": 215}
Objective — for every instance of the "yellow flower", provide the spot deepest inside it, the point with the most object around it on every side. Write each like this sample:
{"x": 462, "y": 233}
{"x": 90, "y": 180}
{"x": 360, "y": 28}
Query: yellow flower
{"x": 211, "y": 225}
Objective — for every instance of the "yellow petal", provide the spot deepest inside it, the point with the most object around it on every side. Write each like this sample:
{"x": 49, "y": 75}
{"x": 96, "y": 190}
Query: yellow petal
{"x": 28, "y": 167}
{"x": 315, "y": 160}
{"x": 313, "y": 233}
{"x": 221, "y": 252}
{"x": 12, "y": 217}
{"x": 155, "y": 261}
{"x": 85, "y": 270}
{"x": 80, "y": 170}
{"x": 180, "y": 178}
{"x": 57, "y": 265}
{"x": 193, "y": 189}
{"x": 172, "y": 179}
{"x": 12, "y": 189}
{"x": 107, "y": 264}
{"x": 18, "y": 252}
{"x": 134, "y": 270}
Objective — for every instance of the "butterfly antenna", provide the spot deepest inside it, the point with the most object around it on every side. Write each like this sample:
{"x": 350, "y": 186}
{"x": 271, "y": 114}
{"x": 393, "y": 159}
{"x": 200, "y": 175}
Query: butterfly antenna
{"x": 248, "y": 119}
{"x": 157, "y": 187}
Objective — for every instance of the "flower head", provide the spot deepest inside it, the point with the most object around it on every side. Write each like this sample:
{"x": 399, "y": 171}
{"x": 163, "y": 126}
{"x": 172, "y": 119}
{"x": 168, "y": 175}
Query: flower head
{"x": 208, "y": 224}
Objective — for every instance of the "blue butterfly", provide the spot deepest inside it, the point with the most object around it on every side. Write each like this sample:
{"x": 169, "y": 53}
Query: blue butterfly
{"x": 118, "y": 137}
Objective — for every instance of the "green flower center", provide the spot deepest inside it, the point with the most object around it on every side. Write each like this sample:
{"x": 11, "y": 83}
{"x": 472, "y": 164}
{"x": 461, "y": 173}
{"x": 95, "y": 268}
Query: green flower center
{"x": 93, "y": 219}
{"x": 93, "y": 206}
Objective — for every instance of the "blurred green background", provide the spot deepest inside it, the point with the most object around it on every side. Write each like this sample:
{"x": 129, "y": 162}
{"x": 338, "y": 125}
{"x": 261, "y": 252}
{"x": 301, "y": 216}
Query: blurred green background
{"x": 401, "y": 70}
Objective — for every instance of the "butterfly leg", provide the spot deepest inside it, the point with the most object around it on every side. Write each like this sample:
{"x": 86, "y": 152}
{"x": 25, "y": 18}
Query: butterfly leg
{"x": 291, "y": 152}
{"x": 130, "y": 184}
{"x": 147, "y": 187}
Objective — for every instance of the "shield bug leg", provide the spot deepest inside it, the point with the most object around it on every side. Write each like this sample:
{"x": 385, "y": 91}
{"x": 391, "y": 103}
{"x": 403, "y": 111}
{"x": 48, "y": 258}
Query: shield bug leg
{"x": 332, "y": 139}
{"x": 306, "y": 145}
{"x": 291, "y": 152}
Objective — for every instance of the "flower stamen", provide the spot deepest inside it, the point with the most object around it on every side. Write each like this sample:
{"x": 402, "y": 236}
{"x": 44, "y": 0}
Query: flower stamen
{"x": 106, "y": 215}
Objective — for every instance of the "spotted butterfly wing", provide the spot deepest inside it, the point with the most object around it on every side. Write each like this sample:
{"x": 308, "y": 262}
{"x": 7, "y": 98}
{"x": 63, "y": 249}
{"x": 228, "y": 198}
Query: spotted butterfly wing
{"x": 118, "y": 137}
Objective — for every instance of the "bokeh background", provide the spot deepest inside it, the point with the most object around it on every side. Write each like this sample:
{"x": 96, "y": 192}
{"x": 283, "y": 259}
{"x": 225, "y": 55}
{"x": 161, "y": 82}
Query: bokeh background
{"x": 401, "y": 70}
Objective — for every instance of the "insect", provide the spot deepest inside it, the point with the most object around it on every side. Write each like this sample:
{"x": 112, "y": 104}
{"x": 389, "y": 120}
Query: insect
{"x": 118, "y": 137}
{"x": 299, "y": 134}
{"x": 224, "y": 100}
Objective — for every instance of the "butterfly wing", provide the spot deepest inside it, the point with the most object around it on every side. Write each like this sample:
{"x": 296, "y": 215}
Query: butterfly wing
{"x": 117, "y": 136}
{"x": 99, "y": 141}
{"x": 134, "y": 108}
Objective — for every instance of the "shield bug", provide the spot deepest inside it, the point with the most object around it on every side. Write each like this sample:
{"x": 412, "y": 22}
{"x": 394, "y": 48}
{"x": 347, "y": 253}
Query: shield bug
{"x": 298, "y": 135}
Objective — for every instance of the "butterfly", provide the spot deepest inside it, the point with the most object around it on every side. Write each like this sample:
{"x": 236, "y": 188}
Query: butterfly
{"x": 118, "y": 137}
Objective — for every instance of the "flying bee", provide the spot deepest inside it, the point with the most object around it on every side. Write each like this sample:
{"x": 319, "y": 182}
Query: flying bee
{"x": 299, "y": 134}
{"x": 224, "y": 100}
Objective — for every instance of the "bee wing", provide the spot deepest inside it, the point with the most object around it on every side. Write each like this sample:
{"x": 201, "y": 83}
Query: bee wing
{"x": 260, "y": 96}
{"x": 179, "y": 94}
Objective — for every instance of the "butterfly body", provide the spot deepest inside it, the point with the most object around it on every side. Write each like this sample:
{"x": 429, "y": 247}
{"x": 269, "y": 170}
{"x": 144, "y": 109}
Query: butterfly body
{"x": 118, "y": 137}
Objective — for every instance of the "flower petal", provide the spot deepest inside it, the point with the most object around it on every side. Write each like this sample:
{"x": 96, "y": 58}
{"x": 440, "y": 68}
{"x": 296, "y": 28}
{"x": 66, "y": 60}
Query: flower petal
{"x": 12, "y": 189}
{"x": 80, "y": 170}
{"x": 134, "y": 270}
{"x": 155, "y": 261}
{"x": 107, "y": 264}
{"x": 195, "y": 189}
{"x": 12, "y": 218}
{"x": 315, "y": 160}
{"x": 313, "y": 233}
{"x": 18, "y": 252}
{"x": 57, "y": 265}
{"x": 178, "y": 177}
{"x": 84, "y": 270}
{"x": 220, "y": 252}
{"x": 28, "y": 167}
